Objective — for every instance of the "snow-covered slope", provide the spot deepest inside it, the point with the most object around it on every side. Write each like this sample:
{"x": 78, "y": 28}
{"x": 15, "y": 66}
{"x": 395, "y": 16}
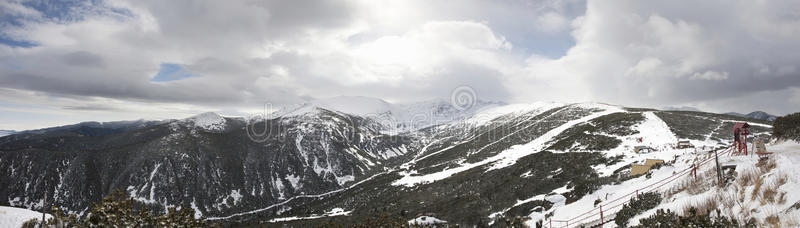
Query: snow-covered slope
{"x": 15, "y": 217}
{"x": 760, "y": 190}
{"x": 757, "y": 192}
{"x": 208, "y": 121}
{"x": 6, "y": 132}
{"x": 363, "y": 156}
{"x": 396, "y": 118}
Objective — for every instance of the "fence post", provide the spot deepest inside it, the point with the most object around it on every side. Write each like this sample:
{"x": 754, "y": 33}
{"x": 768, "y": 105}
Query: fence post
{"x": 601, "y": 215}
{"x": 550, "y": 222}
{"x": 637, "y": 194}
{"x": 719, "y": 170}
{"x": 694, "y": 171}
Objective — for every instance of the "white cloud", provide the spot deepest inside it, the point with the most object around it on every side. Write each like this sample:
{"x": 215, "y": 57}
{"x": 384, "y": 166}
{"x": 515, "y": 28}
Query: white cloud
{"x": 552, "y": 22}
{"x": 658, "y": 54}
{"x": 245, "y": 53}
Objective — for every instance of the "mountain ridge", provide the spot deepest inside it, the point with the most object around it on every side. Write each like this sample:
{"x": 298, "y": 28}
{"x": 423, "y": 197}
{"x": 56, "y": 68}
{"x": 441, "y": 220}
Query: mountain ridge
{"x": 230, "y": 168}
{"x": 760, "y": 115}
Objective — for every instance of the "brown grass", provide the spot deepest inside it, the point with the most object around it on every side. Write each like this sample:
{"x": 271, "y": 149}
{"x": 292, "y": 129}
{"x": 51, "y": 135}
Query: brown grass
{"x": 766, "y": 165}
{"x": 772, "y": 221}
{"x": 769, "y": 193}
{"x": 782, "y": 198}
{"x": 758, "y": 182}
{"x": 781, "y": 178}
{"x": 746, "y": 177}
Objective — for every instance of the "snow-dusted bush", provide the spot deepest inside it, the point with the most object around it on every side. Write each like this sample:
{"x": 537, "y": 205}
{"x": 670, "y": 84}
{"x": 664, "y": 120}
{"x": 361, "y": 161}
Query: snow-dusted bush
{"x": 120, "y": 210}
{"x": 670, "y": 219}
{"x": 787, "y": 127}
{"x": 636, "y": 206}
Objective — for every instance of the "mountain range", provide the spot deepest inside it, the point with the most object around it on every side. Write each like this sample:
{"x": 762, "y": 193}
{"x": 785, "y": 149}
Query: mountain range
{"x": 6, "y": 132}
{"x": 755, "y": 115}
{"x": 349, "y": 159}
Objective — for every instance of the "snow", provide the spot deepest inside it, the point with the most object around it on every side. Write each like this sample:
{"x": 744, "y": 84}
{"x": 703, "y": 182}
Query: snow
{"x": 397, "y": 118}
{"x": 486, "y": 115}
{"x": 294, "y": 181}
{"x": 426, "y": 221}
{"x": 356, "y": 105}
{"x": 510, "y": 156}
{"x": 236, "y": 195}
{"x": 333, "y": 212}
{"x": 655, "y": 133}
{"x": 197, "y": 213}
{"x": 14, "y": 217}
{"x": 787, "y": 155}
{"x": 208, "y": 121}
{"x": 300, "y": 197}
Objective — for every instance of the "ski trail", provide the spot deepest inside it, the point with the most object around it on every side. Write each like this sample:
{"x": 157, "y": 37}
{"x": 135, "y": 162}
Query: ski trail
{"x": 298, "y": 197}
{"x": 505, "y": 158}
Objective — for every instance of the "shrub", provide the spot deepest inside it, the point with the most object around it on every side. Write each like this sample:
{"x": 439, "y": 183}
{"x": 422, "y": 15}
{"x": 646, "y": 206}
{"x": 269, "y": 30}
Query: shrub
{"x": 31, "y": 223}
{"x": 119, "y": 210}
{"x": 670, "y": 219}
{"x": 787, "y": 127}
{"x": 645, "y": 202}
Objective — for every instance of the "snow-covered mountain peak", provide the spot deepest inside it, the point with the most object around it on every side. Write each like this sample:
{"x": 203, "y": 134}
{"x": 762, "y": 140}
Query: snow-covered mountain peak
{"x": 208, "y": 121}
{"x": 356, "y": 105}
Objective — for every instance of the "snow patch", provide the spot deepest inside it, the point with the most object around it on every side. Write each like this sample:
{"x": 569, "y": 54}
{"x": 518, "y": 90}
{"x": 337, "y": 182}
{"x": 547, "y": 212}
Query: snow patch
{"x": 510, "y": 156}
{"x": 333, "y": 212}
{"x": 426, "y": 221}
{"x": 208, "y": 121}
{"x": 294, "y": 181}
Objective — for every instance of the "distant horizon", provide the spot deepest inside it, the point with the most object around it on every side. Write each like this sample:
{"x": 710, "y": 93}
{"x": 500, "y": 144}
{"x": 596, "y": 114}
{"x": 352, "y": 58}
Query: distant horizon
{"x": 234, "y": 115}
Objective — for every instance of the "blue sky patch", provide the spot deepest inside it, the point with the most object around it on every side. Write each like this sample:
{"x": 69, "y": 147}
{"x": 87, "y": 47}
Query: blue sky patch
{"x": 16, "y": 43}
{"x": 171, "y": 72}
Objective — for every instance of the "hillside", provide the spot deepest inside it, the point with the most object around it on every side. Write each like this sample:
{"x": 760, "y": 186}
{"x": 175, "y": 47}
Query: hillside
{"x": 6, "y": 132}
{"x": 533, "y": 161}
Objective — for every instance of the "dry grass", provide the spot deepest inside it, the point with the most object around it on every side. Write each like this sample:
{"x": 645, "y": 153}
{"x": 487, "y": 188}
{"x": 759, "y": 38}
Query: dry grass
{"x": 769, "y": 193}
{"x": 772, "y": 221}
{"x": 757, "y": 187}
{"x": 766, "y": 165}
{"x": 705, "y": 181}
{"x": 782, "y": 198}
{"x": 781, "y": 178}
{"x": 747, "y": 176}
{"x": 704, "y": 206}
{"x": 710, "y": 204}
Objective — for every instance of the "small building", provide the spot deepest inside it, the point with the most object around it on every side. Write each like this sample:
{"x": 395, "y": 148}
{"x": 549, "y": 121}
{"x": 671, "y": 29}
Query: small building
{"x": 637, "y": 169}
{"x": 652, "y": 162}
{"x": 684, "y": 144}
{"x": 642, "y": 149}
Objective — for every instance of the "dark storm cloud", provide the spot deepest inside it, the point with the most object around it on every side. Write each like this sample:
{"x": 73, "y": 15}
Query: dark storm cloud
{"x": 83, "y": 59}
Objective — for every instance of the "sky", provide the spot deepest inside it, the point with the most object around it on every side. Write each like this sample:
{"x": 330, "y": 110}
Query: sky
{"x": 63, "y": 62}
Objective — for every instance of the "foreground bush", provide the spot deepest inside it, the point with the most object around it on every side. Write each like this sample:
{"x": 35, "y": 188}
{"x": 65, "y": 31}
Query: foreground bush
{"x": 787, "y": 127}
{"x": 644, "y": 202}
{"x": 669, "y": 219}
{"x": 119, "y": 210}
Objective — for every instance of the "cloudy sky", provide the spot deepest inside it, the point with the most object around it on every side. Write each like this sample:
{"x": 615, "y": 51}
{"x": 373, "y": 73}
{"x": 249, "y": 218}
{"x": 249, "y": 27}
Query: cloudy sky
{"x": 63, "y": 62}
